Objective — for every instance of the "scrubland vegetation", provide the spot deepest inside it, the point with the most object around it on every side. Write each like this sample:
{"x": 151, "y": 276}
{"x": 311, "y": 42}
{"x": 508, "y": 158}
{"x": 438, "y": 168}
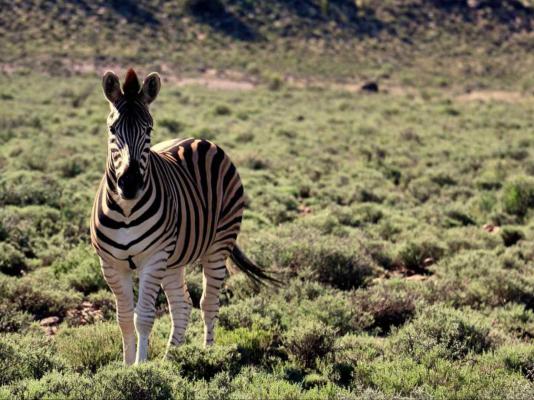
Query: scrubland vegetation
{"x": 401, "y": 222}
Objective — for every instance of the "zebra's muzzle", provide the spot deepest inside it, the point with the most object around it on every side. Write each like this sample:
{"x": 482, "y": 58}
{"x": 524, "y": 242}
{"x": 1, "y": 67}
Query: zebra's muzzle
{"x": 130, "y": 182}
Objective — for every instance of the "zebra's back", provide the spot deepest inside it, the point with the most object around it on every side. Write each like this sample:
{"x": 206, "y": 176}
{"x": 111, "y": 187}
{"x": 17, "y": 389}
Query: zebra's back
{"x": 209, "y": 198}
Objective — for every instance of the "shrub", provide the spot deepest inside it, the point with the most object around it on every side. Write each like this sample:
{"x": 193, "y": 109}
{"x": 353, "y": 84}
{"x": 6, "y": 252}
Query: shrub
{"x": 518, "y": 196}
{"x": 314, "y": 380}
{"x": 307, "y": 341}
{"x": 515, "y": 319}
{"x": 81, "y": 270}
{"x": 253, "y": 384}
{"x": 203, "y": 363}
{"x": 510, "y": 235}
{"x": 205, "y": 7}
{"x": 104, "y": 301}
{"x": 145, "y": 381}
{"x": 413, "y": 254}
{"x": 333, "y": 309}
{"x": 90, "y": 347}
{"x": 518, "y": 358}
{"x": 26, "y": 188}
{"x": 342, "y": 262}
{"x": 33, "y": 295}
{"x": 25, "y": 357}
{"x": 253, "y": 345}
{"x": 387, "y": 304}
{"x": 29, "y": 229}
{"x": 174, "y": 126}
{"x": 445, "y": 379}
{"x": 12, "y": 261}
{"x": 479, "y": 278}
{"x": 54, "y": 385}
{"x": 258, "y": 311}
{"x": 12, "y": 320}
{"x": 440, "y": 331}
{"x": 222, "y": 109}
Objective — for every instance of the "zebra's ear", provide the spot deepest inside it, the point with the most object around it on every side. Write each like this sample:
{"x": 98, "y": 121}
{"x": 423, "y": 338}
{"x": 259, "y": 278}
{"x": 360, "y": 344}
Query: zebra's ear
{"x": 151, "y": 86}
{"x": 111, "y": 86}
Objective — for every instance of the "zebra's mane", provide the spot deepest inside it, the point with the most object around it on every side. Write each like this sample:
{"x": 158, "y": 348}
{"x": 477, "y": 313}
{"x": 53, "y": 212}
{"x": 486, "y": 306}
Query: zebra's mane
{"x": 131, "y": 85}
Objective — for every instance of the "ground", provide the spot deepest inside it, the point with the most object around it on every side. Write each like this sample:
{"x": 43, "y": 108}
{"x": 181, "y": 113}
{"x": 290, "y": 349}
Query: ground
{"x": 400, "y": 221}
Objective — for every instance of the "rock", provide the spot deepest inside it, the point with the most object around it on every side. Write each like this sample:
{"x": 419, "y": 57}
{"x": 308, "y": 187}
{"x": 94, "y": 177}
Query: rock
{"x": 490, "y": 228}
{"x": 304, "y": 209}
{"x": 49, "y": 321}
{"x": 370, "y": 86}
{"x": 427, "y": 262}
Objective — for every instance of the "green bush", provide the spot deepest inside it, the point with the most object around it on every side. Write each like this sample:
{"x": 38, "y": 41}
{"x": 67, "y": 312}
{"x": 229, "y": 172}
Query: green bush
{"x": 443, "y": 332}
{"x": 26, "y": 188}
{"x": 174, "y": 126}
{"x": 481, "y": 278}
{"x": 54, "y": 385}
{"x": 26, "y": 357}
{"x": 35, "y": 295}
{"x": 414, "y": 255}
{"x": 12, "y": 320}
{"x": 256, "y": 311}
{"x": 12, "y": 261}
{"x": 385, "y": 305}
{"x": 403, "y": 377}
{"x": 511, "y": 235}
{"x": 31, "y": 230}
{"x": 104, "y": 301}
{"x": 203, "y": 363}
{"x": 87, "y": 348}
{"x": 253, "y": 345}
{"x": 81, "y": 270}
{"x": 515, "y": 319}
{"x": 518, "y": 358}
{"x": 342, "y": 262}
{"x": 308, "y": 341}
{"x": 518, "y": 196}
{"x": 145, "y": 381}
{"x": 222, "y": 109}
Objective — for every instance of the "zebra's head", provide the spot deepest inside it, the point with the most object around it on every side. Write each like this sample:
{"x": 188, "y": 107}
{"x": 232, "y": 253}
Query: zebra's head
{"x": 130, "y": 125}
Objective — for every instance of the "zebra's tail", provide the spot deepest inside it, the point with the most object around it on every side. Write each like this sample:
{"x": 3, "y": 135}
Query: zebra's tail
{"x": 255, "y": 273}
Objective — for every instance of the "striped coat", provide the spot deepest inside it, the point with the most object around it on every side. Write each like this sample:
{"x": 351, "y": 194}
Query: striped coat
{"x": 158, "y": 209}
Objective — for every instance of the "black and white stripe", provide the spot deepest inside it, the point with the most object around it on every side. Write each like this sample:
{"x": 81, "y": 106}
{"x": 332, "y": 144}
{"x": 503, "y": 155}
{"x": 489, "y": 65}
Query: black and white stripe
{"x": 158, "y": 209}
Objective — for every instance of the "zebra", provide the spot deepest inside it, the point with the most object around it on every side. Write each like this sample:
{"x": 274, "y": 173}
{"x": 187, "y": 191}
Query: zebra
{"x": 158, "y": 209}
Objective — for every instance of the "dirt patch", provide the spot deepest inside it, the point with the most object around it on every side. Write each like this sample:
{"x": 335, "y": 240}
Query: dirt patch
{"x": 492, "y": 95}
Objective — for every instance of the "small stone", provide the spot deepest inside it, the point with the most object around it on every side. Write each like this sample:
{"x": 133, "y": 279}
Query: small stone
{"x": 427, "y": 262}
{"x": 304, "y": 209}
{"x": 490, "y": 228}
{"x": 49, "y": 321}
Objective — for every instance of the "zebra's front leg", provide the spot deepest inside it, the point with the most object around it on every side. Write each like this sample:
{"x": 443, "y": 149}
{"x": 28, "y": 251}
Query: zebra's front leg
{"x": 120, "y": 283}
{"x": 180, "y": 304}
{"x": 214, "y": 271}
{"x": 150, "y": 278}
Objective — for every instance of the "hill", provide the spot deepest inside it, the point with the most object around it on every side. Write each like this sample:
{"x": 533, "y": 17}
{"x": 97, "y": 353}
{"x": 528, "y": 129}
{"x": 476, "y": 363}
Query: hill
{"x": 419, "y": 43}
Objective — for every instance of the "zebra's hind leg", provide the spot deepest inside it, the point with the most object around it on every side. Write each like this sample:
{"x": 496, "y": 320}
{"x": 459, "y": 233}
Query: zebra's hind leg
{"x": 214, "y": 270}
{"x": 120, "y": 283}
{"x": 180, "y": 304}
